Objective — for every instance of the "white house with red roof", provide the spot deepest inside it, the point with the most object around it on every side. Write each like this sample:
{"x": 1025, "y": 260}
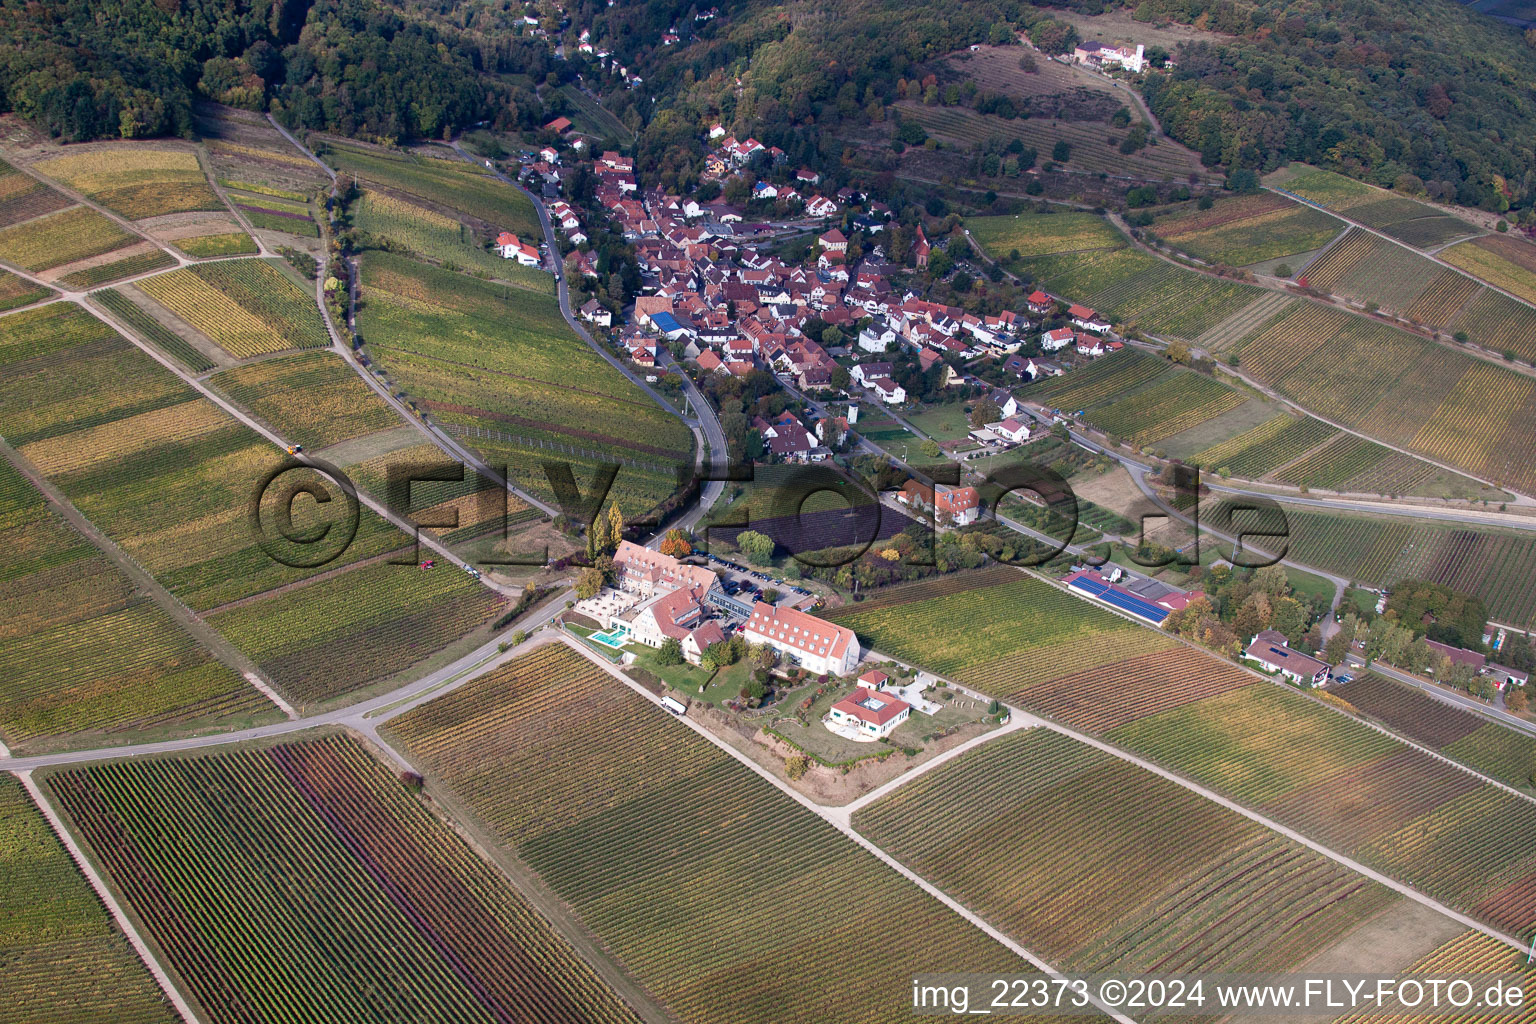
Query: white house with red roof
{"x": 820, "y": 206}
{"x": 1055, "y": 341}
{"x": 961, "y": 504}
{"x": 802, "y": 639}
{"x": 834, "y": 241}
{"x": 1274, "y": 654}
{"x": 669, "y": 616}
{"x": 1040, "y": 303}
{"x": 700, "y": 640}
{"x": 1088, "y": 319}
{"x": 1011, "y": 429}
{"x": 511, "y": 249}
{"x": 872, "y": 715}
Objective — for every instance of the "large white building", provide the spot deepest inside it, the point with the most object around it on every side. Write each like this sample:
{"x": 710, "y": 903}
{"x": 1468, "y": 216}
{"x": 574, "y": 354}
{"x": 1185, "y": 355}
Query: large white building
{"x": 872, "y": 713}
{"x": 814, "y": 644}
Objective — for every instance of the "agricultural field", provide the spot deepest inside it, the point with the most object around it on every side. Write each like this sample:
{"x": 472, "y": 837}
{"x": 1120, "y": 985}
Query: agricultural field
{"x": 1094, "y": 863}
{"x": 162, "y": 471}
{"x": 314, "y": 398}
{"x": 1246, "y": 320}
{"x": 572, "y": 770}
{"x": 1379, "y": 550}
{"x": 325, "y": 638}
{"x": 16, "y": 292}
{"x": 1360, "y": 791}
{"x": 148, "y": 259}
{"x": 1036, "y": 234}
{"x": 1379, "y": 380}
{"x": 1092, "y": 263}
{"x": 593, "y": 119}
{"x": 1273, "y": 443}
{"x": 83, "y": 653}
{"x": 400, "y": 919}
{"x": 1497, "y": 322}
{"x": 1340, "y": 460}
{"x": 1015, "y": 621}
{"x": 1091, "y": 149}
{"x": 1101, "y": 380}
{"x": 249, "y": 307}
{"x": 438, "y": 238}
{"x": 290, "y": 213}
{"x": 1406, "y": 220}
{"x": 1471, "y": 952}
{"x": 234, "y": 243}
{"x": 1492, "y": 749}
{"x": 1369, "y": 269}
{"x": 23, "y": 197}
{"x": 135, "y": 180}
{"x": 1149, "y": 673}
{"x": 1509, "y": 263}
{"x": 500, "y": 360}
{"x": 65, "y": 958}
{"x": 1243, "y": 230}
{"x": 1173, "y": 404}
{"x": 151, "y": 330}
{"x": 452, "y": 183}
{"x": 248, "y": 154}
{"x": 478, "y": 504}
{"x": 55, "y": 239}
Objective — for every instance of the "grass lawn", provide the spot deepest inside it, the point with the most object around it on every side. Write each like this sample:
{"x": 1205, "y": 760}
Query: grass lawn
{"x": 728, "y": 682}
{"x": 683, "y": 677}
{"x": 948, "y": 422}
{"x": 1360, "y": 600}
{"x": 1310, "y": 586}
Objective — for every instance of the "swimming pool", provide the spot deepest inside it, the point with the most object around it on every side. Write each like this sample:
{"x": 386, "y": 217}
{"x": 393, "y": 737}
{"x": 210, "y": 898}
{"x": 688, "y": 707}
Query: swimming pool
{"x": 613, "y": 638}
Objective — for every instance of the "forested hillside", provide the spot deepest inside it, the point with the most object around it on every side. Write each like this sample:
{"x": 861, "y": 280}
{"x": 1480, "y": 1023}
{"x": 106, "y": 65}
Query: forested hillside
{"x": 128, "y": 68}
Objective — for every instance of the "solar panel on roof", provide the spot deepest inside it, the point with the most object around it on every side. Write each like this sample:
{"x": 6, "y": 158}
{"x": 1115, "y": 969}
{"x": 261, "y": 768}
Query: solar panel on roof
{"x": 1119, "y": 599}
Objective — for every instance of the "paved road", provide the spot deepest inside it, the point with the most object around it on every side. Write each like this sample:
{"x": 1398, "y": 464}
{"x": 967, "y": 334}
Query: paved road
{"x": 1457, "y": 700}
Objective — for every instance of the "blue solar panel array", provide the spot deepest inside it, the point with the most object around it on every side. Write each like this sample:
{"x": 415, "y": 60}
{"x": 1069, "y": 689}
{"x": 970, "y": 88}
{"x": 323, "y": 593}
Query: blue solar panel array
{"x": 1119, "y": 599}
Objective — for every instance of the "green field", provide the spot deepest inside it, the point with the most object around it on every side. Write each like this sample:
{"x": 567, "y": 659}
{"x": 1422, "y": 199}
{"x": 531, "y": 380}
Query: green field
{"x": 486, "y": 355}
{"x": 359, "y": 906}
{"x": 650, "y": 833}
{"x": 83, "y": 653}
{"x": 438, "y": 238}
{"x": 1173, "y": 404}
{"x": 65, "y": 959}
{"x": 314, "y": 398}
{"x": 1093, "y": 863}
{"x": 1403, "y": 218}
{"x": 232, "y": 243}
{"x": 453, "y": 183}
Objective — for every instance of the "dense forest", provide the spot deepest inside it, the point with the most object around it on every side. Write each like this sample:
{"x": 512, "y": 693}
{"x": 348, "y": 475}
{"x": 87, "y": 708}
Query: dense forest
{"x": 129, "y": 68}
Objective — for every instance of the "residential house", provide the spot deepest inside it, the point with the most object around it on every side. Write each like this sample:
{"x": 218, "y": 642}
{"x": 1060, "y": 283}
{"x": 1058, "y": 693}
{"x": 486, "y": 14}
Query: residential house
{"x": 814, "y": 644}
{"x": 889, "y": 391}
{"x": 700, "y": 640}
{"x": 1087, "y": 319}
{"x": 594, "y": 312}
{"x": 1272, "y": 651}
{"x": 961, "y": 504}
{"x": 1055, "y": 341}
{"x": 874, "y": 714}
{"x": 1040, "y": 303}
{"x": 877, "y": 335}
{"x": 834, "y": 241}
{"x": 510, "y": 248}
{"x": 1011, "y": 429}
{"x": 820, "y": 206}
{"x": 1005, "y": 402}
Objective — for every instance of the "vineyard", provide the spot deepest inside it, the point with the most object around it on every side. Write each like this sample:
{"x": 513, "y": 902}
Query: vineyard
{"x": 136, "y": 181}
{"x": 316, "y": 398}
{"x": 478, "y": 503}
{"x": 1175, "y": 403}
{"x": 23, "y": 197}
{"x": 247, "y": 306}
{"x": 399, "y": 920}
{"x": 643, "y": 828}
{"x": 1100, "y": 381}
{"x": 1096, "y": 863}
{"x": 487, "y": 355}
{"x": 1507, "y": 263}
{"x": 1158, "y": 296}
{"x": 1242, "y": 230}
{"x": 16, "y": 292}
{"x": 1035, "y": 234}
{"x": 234, "y": 243}
{"x": 49, "y": 329}
{"x": 324, "y": 639}
{"x": 1012, "y": 622}
{"x": 1405, "y": 219}
{"x": 1256, "y": 452}
{"x": 452, "y": 183}
{"x": 152, "y": 258}
{"x": 1257, "y": 743}
{"x": 1490, "y": 748}
{"x": 1368, "y": 268}
{"x": 65, "y": 960}
{"x": 74, "y": 234}
{"x": 82, "y": 652}
{"x": 443, "y": 240}
{"x": 1447, "y": 292}
{"x": 1250, "y": 319}
{"x": 1336, "y": 462}
{"x": 163, "y": 472}
{"x": 1496, "y": 321}
{"x": 1471, "y": 952}
{"x": 1147, "y": 678}
{"x": 248, "y": 154}
{"x": 151, "y": 330}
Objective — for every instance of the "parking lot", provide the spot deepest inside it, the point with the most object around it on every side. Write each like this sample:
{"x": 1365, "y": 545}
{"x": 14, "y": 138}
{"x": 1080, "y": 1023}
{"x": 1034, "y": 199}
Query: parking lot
{"x": 749, "y": 583}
